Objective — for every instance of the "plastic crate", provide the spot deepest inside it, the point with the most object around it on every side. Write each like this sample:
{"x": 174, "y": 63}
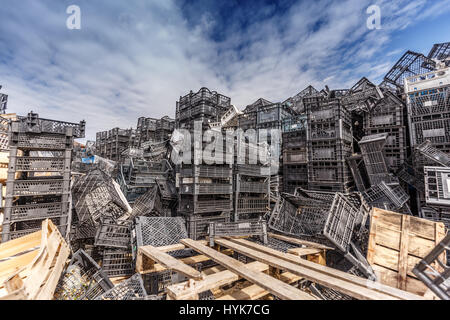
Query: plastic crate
{"x": 433, "y": 154}
{"x": 112, "y": 234}
{"x": 47, "y": 164}
{"x": 247, "y": 204}
{"x": 330, "y": 130}
{"x": 155, "y": 283}
{"x": 434, "y": 270}
{"x": 82, "y": 280}
{"x": 158, "y": 232}
{"x": 130, "y": 289}
{"x": 32, "y": 141}
{"x": 206, "y": 171}
{"x": 32, "y": 123}
{"x": 436, "y": 131}
{"x": 40, "y": 187}
{"x": 328, "y": 172}
{"x": 334, "y": 150}
{"x": 197, "y": 225}
{"x": 118, "y": 262}
{"x": 295, "y": 156}
{"x": 207, "y": 188}
{"x": 37, "y": 211}
{"x": 386, "y": 114}
{"x": 252, "y": 170}
{"x": 237, "y": 229}
{"x": 437, "y": 186}
{"x": 187, "y": 205}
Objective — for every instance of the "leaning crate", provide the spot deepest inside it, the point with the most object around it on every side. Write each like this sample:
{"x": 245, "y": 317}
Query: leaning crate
{"x": 113, "y": 234}
{"x": 130, "y": 289}
{"x": 197, "y": 225}
{"x": 82, "y": 280}
{"x": 117, "y": 262}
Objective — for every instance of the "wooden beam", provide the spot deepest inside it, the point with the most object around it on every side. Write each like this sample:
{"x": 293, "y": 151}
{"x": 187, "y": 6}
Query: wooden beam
{"x": 169, "y": 262}
{"x": 301, "y": 252}
{"x": 274, "y": 286}
{"x": 189, "y": 261}
{"x": 299, "y": 242}
{"x": 189, "y": 290}
{"x": 322, "y": 275}
{"x": 254, "y": 292}
{"x": 176, "y": 247}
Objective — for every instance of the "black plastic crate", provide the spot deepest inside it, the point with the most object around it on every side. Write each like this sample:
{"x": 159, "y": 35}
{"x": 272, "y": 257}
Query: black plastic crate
{"x": 330, "y": 130}
{"x": 38, "y": 211}
{"x": 45, "y": 164}
{"x": 187, "y": 204}
{"x": 32, "y": 141}
{"x": 82, "y": 280}
{"x": 251, "y": 204}
{"x": 197, "y": 225}
{"x": 130, "y": 289}
{"x": 113, "y": 234}
{"x": 333, "y": 150}
{"x": 40, "y": 187}
{"x": 32, "y": 123}
{"x": 437, "y": 131}
{"x": 328, "y": 172}
{"x": 118, "y": 262}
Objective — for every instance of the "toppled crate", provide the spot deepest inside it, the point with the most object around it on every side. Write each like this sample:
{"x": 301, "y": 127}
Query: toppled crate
{"x": 433, "y": 154}
{"x": 130, "y": 289}
{"x": 397, "y": 243}
{"x": 31, "y": 266}
{"x": 113, "y": 234}
{"x": 82, "y": 280}
{"x": 434, "y": 271}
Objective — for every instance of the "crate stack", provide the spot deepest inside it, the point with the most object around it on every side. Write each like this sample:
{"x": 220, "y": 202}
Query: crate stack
{"x": 153, "y": 130}
{"x": 205, "y": 186}
{"x": 251, "y": 181}
{"x": 38, "y": 187}
{"x": 205, "y": 106}
{"x": 388, "y": 116}
{"x": 110, "y": 144}
{"x": 330, "y": 142}
{"x": 295, "y": 154}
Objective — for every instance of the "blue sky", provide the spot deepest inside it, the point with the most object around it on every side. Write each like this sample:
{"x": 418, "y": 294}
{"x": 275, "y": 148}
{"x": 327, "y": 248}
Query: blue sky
{"x": 136, "y": 58}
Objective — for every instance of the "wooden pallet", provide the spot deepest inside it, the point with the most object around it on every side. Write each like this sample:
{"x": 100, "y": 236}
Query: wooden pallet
{"x": 397, "y": 243}
{"x": 272, "y": 272}
{"x": 30, "y": 266}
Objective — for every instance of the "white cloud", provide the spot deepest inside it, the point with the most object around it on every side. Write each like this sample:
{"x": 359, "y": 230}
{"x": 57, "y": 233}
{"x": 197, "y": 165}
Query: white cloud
{"x": 132, "y": 61}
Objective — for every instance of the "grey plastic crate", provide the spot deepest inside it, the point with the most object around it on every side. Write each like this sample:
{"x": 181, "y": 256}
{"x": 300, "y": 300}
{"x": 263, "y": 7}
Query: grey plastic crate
{"x": 113, "y": 234}
{"x": 197, "y": 225}
{"x": 40, "y": 187}
{"x": 37, "y": 211}
{"x": 46, "y": 164}
{"x": 118, "y": 262}
{"x": 437, "y": 186}
{"x": 434, "y": 271}
{"x": 433, "y": 154}
{"x": 252, "y": 205}
{"x": 130, "y": 289}
{"x": 32, "y": 141}
{"x": 82, "y": 280}
{"x": 236, "y": 229}
{"x": 158, "y": 232}
{"x": 32, "y": 123}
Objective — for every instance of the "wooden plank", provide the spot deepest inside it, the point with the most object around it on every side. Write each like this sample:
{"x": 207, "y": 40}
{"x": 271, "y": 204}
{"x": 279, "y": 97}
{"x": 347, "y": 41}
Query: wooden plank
{"x": 170, "y": 262}
{"x": 356, "y": 287}
{"x": 255, "y": 292}
{"x": 189, "y": 290}
{"x": 274, "y": 286}
{"x": 178, "y": 246}
{"x": 301, "y": 252}
{"x": 299, "y": 242}
{"x": 16, "y": 246}
{"x": 403, "y": 254}
{"x": 9, "y": 267}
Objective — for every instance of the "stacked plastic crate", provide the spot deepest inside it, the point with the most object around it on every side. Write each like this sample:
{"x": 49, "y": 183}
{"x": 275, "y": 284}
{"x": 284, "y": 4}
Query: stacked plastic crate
{"x": 38, "y": 186}
{"x": 295, "y": 154}
{"x": 110, "y": 144}
{"x": 205, "y": 179}
{"x": 205, "y": 106}
{"x": 330, "y": 142}
{"x": 388, "y": 116}
{"x": 251, "y": 181}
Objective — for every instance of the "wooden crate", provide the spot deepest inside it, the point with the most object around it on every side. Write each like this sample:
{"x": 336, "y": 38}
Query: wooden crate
{"x": 397, "y": 243}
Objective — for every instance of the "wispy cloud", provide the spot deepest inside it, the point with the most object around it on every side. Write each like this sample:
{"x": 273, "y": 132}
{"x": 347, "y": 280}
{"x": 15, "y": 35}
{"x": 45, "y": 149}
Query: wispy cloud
{"x": 136, "y": 60}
